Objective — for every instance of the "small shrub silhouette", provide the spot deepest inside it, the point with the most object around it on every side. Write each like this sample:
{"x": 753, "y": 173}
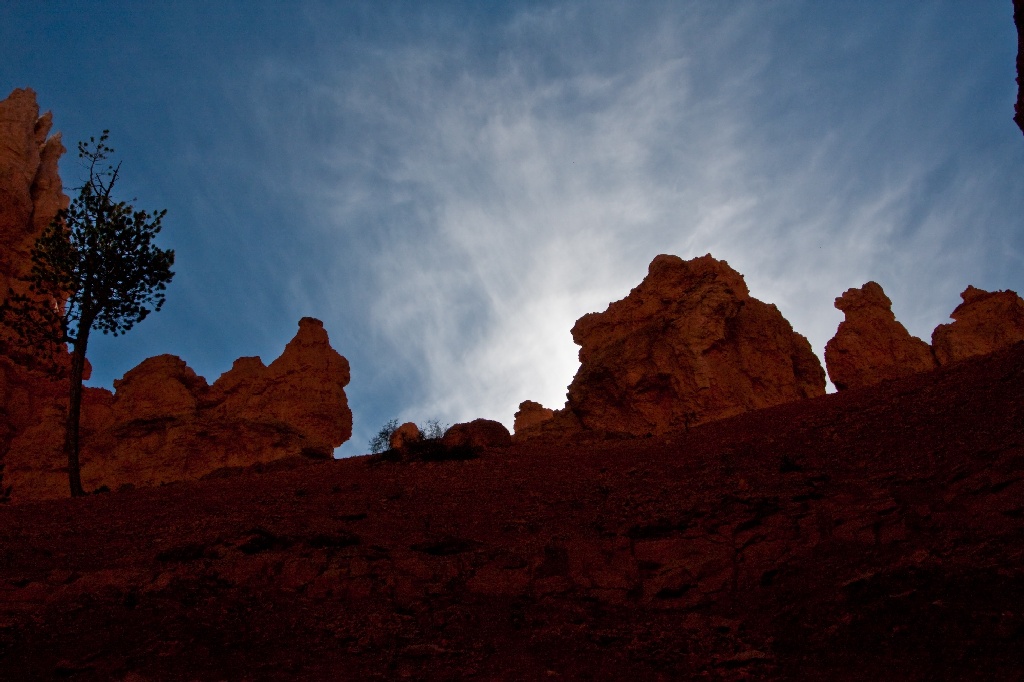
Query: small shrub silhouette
{"x": 430, "y": 448}
{"x": 434, "y": 429}
{"x": 382, "y": 441}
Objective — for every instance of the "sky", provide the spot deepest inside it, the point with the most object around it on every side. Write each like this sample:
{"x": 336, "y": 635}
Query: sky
{"x": 450, "y": 185}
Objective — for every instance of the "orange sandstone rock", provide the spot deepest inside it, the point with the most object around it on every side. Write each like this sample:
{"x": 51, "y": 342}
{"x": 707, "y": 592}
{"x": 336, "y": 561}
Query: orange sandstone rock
{"x": 870, "y": 346}
{"x": 30, "y": 187}
{"x": 479, "y": 433}
{"x": 165, "y": 423}
{"x": 688, "y": 345}
{"x": 985, "y": 322}
{"x": 405, "y": 435}
{"x": 30, "y": 196}
{"x": 531, "y": 415}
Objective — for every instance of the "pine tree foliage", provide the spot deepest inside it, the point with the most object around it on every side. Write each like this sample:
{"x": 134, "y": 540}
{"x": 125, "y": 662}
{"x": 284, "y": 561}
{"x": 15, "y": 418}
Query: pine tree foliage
{"x": 94, "y": 267}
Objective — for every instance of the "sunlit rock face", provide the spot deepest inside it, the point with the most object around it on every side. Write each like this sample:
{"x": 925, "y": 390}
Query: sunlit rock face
{"x": 164, "y": 423}
{"x": 985, "y": 322}
{"x": 870, "y": 346}
{"x": 687, "y": 346}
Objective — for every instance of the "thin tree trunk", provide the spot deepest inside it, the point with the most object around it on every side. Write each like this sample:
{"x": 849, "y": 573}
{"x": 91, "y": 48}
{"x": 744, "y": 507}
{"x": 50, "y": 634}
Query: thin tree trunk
{"x": 75, "y": 413}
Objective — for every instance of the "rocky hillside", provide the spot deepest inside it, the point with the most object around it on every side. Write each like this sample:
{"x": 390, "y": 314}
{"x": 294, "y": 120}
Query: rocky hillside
{"x": 860, "y": 535}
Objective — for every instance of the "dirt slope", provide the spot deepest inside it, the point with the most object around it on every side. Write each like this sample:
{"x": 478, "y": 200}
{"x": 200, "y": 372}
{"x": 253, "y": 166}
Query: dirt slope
{"x": 873, "y": 534}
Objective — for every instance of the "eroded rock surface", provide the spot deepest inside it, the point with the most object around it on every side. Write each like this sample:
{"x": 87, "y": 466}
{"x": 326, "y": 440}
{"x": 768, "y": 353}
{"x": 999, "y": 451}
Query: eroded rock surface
{"x": 30, "y": 196}
{"x": 165, "y": 423}
{"x": 30, "y": 187}
{"x": 985, "y": 322}
{"x": 688, "y": 345}
{"x": 870, "y": 346}
{"x": 479, "y": 433}
{"x": 405, "y": 435}
{"x": 530, "y": 416}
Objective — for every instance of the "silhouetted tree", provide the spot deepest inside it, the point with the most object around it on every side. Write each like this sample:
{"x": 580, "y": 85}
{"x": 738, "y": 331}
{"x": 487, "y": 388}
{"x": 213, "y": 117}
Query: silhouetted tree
{"x": 382, "y": 441}
{"x": 94, "y": 267}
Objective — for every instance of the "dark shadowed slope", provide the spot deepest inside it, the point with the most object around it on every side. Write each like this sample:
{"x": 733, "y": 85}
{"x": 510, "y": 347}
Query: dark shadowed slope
{"x": 873, "y": 534}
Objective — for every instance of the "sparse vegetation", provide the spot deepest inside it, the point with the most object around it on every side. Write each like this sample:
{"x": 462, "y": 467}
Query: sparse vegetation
{"x": 382, "y": 441}
{"x": 434, "y": 429}
{"x": 429, "y": 449}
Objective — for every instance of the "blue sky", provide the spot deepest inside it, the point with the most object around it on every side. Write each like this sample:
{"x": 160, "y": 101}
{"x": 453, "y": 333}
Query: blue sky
{"x": 449, "y": 186}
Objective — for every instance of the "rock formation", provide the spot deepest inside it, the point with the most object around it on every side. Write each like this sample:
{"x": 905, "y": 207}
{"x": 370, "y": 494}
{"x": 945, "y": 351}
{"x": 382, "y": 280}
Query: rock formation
{"x": 530, "y": 416}
{"x": 870, "y": 345}
{"x": 165, "y": 423}
{"x": 688, "y": 345}
{"x": 985, "y": 322}
{"x": 405, "y": 435}
{"x": 30, "y": 196}
{"x": 479, "y": 433}
{"x": 30, "y": 187}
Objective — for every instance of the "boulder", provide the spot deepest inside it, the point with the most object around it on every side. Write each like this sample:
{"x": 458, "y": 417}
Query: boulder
{"x": 479, "y": 433}
{"x": 687, "y": 346}
{"x": 985, "y": 322}
{"x": 404, "y": 436}
{"x": 870, "y": 346}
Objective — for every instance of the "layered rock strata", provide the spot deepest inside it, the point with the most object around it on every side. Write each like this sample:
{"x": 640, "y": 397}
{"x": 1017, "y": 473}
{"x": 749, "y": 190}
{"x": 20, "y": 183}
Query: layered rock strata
{"x": 164, "y": 423}
{"x": 687, "y": 346}
{"x": 870, "y": 346}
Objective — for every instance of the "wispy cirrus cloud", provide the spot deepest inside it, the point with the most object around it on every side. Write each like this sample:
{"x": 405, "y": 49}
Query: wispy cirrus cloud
{"x": 532, "y": 194}
{"x": 461, "y": 197}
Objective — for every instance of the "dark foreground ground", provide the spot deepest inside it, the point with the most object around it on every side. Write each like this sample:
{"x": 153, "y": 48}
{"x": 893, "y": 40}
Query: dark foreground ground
{"x": 876, "y": 534}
